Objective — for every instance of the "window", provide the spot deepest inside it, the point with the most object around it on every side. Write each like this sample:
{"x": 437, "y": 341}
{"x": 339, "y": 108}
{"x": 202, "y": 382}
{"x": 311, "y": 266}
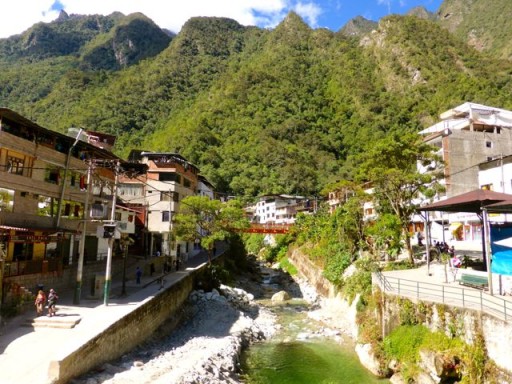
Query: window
{"x": 52, "y": 176}
{"x": 166, "y": 196}
{"x": 488, "y": 144}
{"x": 165, "y": 216}
{"x": 14, "y": 165}
{"x": 170, "y": 176}
{"x": 117, "y": 216}
{"x": 98, "y": 210}
{"x": 130, "y": 189}
{"x": 186, "y": 183}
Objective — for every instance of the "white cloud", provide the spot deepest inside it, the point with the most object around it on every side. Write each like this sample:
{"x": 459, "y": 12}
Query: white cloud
{"x": 170, "y": 14}
{"x": 309, "y": 12}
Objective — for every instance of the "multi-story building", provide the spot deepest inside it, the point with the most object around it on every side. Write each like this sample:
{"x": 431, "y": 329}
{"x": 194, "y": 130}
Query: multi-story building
{"x": 43, "y": 182}
{"x": 466, "y": 136}
{"x": 169, "y": 178}
{"x": 280, "y": 209}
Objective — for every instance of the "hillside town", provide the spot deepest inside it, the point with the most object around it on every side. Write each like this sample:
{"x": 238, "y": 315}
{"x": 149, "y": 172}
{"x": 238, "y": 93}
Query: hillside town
{"x": 70, "y": 206}
{"x": 69, "y": 200}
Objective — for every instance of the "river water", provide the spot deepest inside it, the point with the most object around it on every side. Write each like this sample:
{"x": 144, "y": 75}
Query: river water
{"x": 303, "y": 351}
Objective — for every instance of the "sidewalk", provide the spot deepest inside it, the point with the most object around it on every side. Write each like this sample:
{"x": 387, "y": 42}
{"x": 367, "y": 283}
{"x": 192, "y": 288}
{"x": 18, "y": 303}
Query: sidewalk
{"x": 25, "y": 352}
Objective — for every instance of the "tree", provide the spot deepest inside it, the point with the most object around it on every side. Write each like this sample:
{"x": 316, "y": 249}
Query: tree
{"x": 208, "y": 220}
{"x": 391, "y": 166}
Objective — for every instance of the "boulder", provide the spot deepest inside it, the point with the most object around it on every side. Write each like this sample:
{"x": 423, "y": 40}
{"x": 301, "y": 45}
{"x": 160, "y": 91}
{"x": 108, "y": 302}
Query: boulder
{"x": 369, "y": 361}
{"x": 280, "y": 296}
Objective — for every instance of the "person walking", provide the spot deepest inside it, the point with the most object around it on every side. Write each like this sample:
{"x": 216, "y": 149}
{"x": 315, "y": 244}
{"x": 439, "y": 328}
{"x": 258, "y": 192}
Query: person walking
{"x": 40, "y": 302}
{"x": 52, "y": 302}
{"x": 138, "y": 275}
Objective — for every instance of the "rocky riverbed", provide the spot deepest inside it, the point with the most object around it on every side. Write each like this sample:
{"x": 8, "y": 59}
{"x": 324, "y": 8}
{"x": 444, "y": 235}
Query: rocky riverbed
{"x": 204, "y": 349}
{"x": 207, "y": 345}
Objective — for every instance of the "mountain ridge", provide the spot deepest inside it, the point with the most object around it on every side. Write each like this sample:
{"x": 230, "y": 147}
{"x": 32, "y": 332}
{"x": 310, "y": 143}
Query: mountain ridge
{"x": 285, "y": 110}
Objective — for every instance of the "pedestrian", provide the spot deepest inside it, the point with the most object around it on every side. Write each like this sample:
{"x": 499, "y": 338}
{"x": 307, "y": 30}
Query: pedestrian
{"x": 178, "y": 263}
{"x": 52, "y": 302}
{"x": 138, "y": 274}
{"x": 40, "y": 302}
{"x": 419, "y": 236}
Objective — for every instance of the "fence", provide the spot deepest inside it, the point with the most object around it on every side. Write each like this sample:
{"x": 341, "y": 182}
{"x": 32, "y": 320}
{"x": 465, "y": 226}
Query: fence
{"x": 469, "y": 298}
{"x": 27, "y": 267}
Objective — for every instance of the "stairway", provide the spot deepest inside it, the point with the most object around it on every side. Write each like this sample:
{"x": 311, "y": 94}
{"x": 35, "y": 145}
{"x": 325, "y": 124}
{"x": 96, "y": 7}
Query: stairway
{"x": 65, "y": 321}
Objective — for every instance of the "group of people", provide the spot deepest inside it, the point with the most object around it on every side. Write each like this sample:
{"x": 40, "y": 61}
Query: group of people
{"x": 50, "y": 301}
{"x": 442, "y": 247}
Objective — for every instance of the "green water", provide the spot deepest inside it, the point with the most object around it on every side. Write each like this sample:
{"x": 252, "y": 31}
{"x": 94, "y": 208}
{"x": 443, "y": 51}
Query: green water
{"x": 317, "y": 360}
{"x": 304, "y": 362}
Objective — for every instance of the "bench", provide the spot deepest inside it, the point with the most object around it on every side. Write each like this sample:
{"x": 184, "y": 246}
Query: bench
{"x": 474, "y": 281}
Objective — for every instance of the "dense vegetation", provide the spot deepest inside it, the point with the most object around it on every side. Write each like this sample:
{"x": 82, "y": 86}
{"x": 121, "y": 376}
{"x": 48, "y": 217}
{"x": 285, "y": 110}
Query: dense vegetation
{"x": 259, "y": 111}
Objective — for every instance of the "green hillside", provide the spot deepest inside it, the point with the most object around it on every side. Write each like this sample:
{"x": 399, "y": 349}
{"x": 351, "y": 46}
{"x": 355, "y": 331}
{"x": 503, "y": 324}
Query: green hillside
{"x": 483, "y": 24}
{"x": 258, "y": 110}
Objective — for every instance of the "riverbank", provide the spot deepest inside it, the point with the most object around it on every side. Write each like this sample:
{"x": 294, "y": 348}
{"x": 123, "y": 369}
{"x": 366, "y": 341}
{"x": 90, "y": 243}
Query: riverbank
{"x": 216, "y": 326}
{"x": 204, "y": 349}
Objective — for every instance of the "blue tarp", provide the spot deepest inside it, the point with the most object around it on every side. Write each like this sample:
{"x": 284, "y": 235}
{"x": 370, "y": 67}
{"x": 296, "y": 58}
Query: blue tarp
{"x": 501, "y": 248}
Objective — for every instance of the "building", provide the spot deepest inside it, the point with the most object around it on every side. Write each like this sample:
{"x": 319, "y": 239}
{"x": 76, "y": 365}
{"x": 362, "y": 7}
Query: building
{"x": 496, "y": 175}
{"x": 157, "y": 195}
{"x": 47, "y": 179}
{"x": 467, "y": 136}
{"x": 280, "y": 209}
{"x": 205, "y": 188}
{"x": 339, "y": 197}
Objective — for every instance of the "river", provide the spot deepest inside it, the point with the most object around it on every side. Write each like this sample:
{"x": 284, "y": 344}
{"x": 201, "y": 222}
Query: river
{"x": 205, "y": 348}
{"x": 303, "y": 351}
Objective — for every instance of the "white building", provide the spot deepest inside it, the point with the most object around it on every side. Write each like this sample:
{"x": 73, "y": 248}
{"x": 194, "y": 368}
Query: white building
{"x": 280, "y": 209}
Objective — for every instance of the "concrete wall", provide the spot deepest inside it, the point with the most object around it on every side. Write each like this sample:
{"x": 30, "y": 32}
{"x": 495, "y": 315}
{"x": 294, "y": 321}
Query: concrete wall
{"x": 464, "y": 150}
{"x": 129, "y": 331}
{"x": 125, "y": 334}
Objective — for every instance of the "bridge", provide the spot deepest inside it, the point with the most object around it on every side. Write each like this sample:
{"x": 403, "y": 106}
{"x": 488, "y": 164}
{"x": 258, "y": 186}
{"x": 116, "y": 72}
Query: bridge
{"x": 268, "y": 228}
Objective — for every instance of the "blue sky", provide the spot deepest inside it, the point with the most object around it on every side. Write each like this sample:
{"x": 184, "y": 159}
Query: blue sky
{"x": 17, "y": 16}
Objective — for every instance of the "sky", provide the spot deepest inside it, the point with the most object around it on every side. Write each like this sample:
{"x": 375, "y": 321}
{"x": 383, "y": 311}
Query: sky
{"x": 19, "y": 15}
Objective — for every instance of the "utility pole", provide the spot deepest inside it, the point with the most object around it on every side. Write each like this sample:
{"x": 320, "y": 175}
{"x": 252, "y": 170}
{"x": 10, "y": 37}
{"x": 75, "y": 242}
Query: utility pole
{"x": 108, "y": 273}
{"x": 63, "y": 188}
{"x": 81, "y": 254}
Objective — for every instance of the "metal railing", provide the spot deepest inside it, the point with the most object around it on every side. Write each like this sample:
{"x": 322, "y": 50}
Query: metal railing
{"x": 468, "y": 298}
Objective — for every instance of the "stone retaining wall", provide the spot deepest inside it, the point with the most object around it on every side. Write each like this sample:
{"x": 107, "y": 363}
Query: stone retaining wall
{"x": 129, "y": 331}
{"x": 345, "y": 311}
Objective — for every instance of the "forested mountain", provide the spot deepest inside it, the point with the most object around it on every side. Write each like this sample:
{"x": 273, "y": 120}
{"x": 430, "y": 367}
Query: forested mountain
{"x": 285, "y": 110}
